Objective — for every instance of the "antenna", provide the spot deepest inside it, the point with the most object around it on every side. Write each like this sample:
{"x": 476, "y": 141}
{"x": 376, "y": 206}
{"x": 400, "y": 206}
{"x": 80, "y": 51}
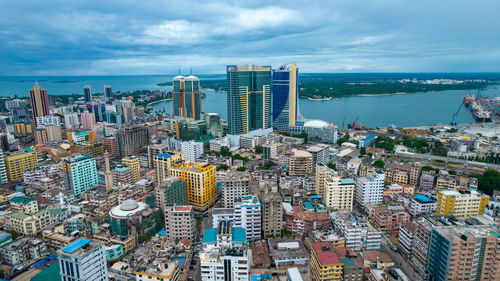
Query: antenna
{"x": 179, "y": 71}
{"x": 191, "y": 71}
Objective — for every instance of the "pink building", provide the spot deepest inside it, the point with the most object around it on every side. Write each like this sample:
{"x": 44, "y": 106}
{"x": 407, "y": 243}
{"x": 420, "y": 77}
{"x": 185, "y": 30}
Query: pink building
{"x": 88, "y": 120}
{"x": 179, "y": 222}
{"x": 39, "y": 101}
{"x": 388, "y": 218}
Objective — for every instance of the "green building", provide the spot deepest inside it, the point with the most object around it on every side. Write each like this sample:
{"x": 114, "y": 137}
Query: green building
{"x": 248, "y": 98}
{"x": 80, "y": 173}
{"x": 5, "y": 238}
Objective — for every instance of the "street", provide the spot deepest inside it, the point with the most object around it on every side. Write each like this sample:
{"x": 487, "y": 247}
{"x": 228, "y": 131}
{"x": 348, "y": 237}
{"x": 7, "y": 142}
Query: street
{"x": 400, "y": 261}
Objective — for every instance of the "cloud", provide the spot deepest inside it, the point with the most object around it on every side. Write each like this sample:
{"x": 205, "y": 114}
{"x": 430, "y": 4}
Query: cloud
{"x": 127, "y": 37}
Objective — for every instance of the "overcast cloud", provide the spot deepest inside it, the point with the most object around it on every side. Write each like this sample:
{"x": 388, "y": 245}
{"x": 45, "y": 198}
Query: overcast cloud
{"x": 64, "y": 37}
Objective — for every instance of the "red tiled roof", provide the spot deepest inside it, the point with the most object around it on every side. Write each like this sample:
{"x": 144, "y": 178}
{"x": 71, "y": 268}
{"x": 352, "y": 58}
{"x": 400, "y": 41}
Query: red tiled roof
{"x": 345, "y": 252}
{"x": 183, "y": 208}
{"x": 326, "y": 257}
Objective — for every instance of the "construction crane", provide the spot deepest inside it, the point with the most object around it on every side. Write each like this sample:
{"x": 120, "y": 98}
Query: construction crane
{"x": 453, "y": 120}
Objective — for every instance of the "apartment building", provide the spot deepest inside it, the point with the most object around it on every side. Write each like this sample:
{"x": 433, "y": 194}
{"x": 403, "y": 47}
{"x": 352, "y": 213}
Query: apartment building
{"x": 339, "y": 192}
{"x": 179, "y": 222}
{"x": 388, "y": 218}
{"x": 248, "y": 215}
{"x": 322, "y": 172}
{"x": 300, "y": 163}
{"x": 325, "y": 264}
{"x": 234, "y": 184}
{"x": 359, "y": 234}
{"x": 370, "y": 189}
{"x": 462, "y": 203}
{"x": 16, "y": 163}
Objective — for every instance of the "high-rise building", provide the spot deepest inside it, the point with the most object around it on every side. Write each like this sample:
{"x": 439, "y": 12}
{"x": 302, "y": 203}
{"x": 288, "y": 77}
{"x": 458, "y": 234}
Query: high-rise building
{"x": 87, "y": 93}
{"x": 135, "y": 219}
{"x": 88, "y": 120}
{"x": 285, "y": 97}
{"x": 322, "y": 173}
{"x": 16, "y": 163}
{"x": 272, "y": 210}
{"x": 108, "y": 175}
{"x": 171, "y": 191}
{"x": 108, "y": 93}
{"x": 320, "y": 153}
{"x": 126, "y": 109}
{"x": 248, "y": 98}
{"x": 248, "y": 215}
{"x": 370, "y": 189}
{"x": 200, "y": 180}
{"x": 461, "y": 203}
{"x": 40, "y": 135}
{"x": 122, "y": 175}
{"x": 39, "y": 101}
{"x": 80, "y": 173}
{"x": 71, "y": 120}
{"x": 339, "y": 193}
{"x": 192, "y": 150}
{"x": 179, "y": 222}
{"x": 225, "y": 254}
{"x": 234, "y": 184}
{"x": 83, "y": 260}
{"x": 300, "y": 162}
{"x": 3, "y": 170}
{"x": 464, "y": 253}
{"x": 131, "y": 139}
{"x": 162, "y": 163}
{"x": 18, "y": 110}
{"x": 186, "y": 95}
{"x": 133, "y": 163}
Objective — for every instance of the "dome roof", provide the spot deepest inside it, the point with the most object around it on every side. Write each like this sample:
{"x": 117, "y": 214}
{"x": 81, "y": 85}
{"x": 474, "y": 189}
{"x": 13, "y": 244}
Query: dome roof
{"x": 191, "y": 77}
{"x": 129, "y": 205}
{"x": 178, "y": 77}
{"x": 316, "y": 123}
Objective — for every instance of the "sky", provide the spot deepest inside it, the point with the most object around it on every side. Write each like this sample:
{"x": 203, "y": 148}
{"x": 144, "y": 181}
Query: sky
{"x": 108, "y": 37}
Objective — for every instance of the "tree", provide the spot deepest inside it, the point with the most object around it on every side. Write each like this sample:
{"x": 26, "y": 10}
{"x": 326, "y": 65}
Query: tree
{"x": 379, "y": 164}
{"x": 222, "y": 167}
{"x": 224, "y": 151}
{"x": 332, "y": 166}
{"x": 241, "y": 169}
{"x": 489, "y": 181}
{"x": 362, "y": 151}
{"x": 268, "y": 164}
{"x": 258, "y": 149}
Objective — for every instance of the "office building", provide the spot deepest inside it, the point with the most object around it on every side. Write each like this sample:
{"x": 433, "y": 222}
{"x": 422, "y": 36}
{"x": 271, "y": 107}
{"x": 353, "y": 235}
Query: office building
{"x": 248, "y": 98}
{"x": 135, "y": 219}
{"x": 462, "y": 203}
{"x": 171, "y": 191}
{"x": 464, "y": 253}
{"x": 285, "y": 97}
{"x": 108, "y": 93}
{"x": 370, "y": 189}
{"x": 325, "y": 264}
{"x": 192, "y": 150}
{"x": 16, "y": 163}
{"x": 131, "y": 140}
{"x": 186, "y": 95}
{"x": 87, "y": 93}
{"x": 162, "y": 163}
{"x": 18, "y": 110}
{"x": 234, "y": 184}
{"x": 133, "y": 163}
{"x": 80, "y": 173}
{"x": 179, "y": 222}
{"x": 39, "y": 101}
{"x": 248, "y": 215}
{"x": 300, "y": 163}
{"x": 83, "y": 260}
{"x": 339, "y": 193}
{"x": 225, "y": 254}
{"x": 126, "y": 109}
{"x": 200, "y": 180}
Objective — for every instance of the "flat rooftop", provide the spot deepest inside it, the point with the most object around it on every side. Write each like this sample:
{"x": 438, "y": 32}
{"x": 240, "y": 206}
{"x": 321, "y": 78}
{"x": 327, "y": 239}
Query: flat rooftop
{"x": 279, "y": 252}
{"x": 80, "y": 247}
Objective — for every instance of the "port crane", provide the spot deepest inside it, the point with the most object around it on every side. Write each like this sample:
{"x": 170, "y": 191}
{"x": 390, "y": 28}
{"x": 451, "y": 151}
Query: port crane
{"x": 453, "y": 120}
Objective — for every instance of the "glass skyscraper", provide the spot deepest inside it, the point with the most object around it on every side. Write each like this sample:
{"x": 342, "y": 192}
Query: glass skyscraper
{"x": 285, "y": 96}
{"x": 186, "y": 96}
{"x": 87, "y": 93}
{"x": 249, "y": 98}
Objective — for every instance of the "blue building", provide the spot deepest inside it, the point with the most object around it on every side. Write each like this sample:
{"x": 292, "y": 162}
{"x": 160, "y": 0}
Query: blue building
{"x": 366, "y": 142}
{"x": 285, "y": 96}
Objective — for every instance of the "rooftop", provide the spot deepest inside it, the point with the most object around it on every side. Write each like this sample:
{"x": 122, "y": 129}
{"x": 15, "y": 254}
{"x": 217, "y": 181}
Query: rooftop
{"x": 21, "y": 200}
{"x": 423, "y": 198}
{"x": 71, "y": 248}
{"x": 324, "y": 252}
{"x": 284, "y": 248}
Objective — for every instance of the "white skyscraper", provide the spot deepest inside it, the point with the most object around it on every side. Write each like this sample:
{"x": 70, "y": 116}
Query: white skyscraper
{"x": 248, "y": 215}
{"x": 83, "y": 260}
{"x": 370, "y": 189}
{"x": 192, "y": 150}
{"x": 71, "y": 120}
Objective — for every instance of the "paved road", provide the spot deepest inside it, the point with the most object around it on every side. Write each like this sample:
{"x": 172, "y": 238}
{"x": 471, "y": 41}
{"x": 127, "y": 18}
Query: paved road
{"x": 445, "y": 159}
{"x": 400, "y": 262}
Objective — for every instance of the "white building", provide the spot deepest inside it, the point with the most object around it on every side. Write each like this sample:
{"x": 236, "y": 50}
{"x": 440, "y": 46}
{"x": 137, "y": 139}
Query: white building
{"x": 225, "y": 254}
{"x": 42, "y": 121}
{"x": 338, "y": 192}
{"x": 234, "y": 184}
{"x": 222, "y": 214}
{"x": 359, "y": 235}
{"x": 320, "y": 153}
{"x": 192, "y": 150}
{"x": 422, "y": 205}
{"x": 3, "y": 171}
{"x": 216, "y": 144}
{"x": 71, "y": 120}
{"x": 370, "y": 189}
{"x": 248, "y": 215}
{"x": 83, "y": 260}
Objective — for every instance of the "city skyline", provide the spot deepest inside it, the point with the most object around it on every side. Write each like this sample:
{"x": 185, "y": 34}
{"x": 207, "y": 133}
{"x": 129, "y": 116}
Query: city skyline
{"x": 128, "y": 39}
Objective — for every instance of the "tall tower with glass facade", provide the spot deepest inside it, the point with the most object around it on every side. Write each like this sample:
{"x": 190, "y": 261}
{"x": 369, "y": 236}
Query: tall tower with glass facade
{"x": 285, "y": 97}
{"x": 248, "y": 98}
{"x": 186, "y": 96}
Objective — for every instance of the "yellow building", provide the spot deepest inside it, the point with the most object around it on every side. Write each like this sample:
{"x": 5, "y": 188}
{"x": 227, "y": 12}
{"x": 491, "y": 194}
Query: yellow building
{"x": 56, "y": 240}
{"x": 128, "y": 243}
{"x": 23, "y": 128}
{"x": 19, "y": 162}
{"x": 133, "y": 163}
{"x": 462, "y": 203}
{"x": 322, "y": 172}
{"x": 444, "y": 182}
{"x": 29, "y": 224}
{"x": 339, "y": 193}
{"x": 300, "y": 163}
{"x": 400, "y": 177}
{"x": 200, "y": 180}
{"x": 93, "y": 148}
{"x": 162, "y": 163}
{"x": 325, "y": 264}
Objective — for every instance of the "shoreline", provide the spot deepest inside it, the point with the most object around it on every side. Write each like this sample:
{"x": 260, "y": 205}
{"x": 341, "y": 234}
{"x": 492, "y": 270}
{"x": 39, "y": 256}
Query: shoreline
{"x": 162, "y": 100}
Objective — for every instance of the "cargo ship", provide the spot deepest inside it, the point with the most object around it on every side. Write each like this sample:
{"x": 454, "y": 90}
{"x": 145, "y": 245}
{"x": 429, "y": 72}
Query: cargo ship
{"x": 478, "y": 111}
